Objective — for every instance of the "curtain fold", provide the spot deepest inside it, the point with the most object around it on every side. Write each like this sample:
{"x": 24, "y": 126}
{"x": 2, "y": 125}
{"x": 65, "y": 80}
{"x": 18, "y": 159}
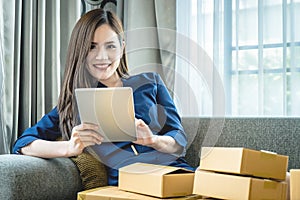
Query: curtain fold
{"x": 35, "y": 39}
{"x": 11, "y": 42}
{"x": 165, "y": 12}
{"x": 150, "y": 28}
{"x": 3, "y": 138}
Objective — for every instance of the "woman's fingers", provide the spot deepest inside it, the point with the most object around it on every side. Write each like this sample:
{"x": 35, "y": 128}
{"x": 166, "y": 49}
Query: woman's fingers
{"x": 90, "y": 135}
{"x": 143, "y": 133}
{"x": 86, "y": 126}
{"x": 87, "y": 133}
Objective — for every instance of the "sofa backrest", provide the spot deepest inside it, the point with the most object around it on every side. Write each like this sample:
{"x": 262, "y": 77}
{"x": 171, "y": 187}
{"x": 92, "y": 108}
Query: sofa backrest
{"x": 280, "y": 135}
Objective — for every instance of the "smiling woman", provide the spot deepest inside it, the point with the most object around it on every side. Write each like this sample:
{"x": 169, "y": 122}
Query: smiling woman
{"x": 97, "y": 59}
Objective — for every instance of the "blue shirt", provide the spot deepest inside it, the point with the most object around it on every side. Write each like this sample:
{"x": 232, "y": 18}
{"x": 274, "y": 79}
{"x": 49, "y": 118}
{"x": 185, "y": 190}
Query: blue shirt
{"x": 152, "y": 103}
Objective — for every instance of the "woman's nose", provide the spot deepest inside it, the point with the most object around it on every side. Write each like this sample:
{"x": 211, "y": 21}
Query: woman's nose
{"x": 102, "y": 54}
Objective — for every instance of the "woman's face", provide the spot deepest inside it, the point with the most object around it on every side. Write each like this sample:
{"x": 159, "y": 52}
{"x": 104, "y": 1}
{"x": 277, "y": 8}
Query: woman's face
{"x": 104, "y": 56}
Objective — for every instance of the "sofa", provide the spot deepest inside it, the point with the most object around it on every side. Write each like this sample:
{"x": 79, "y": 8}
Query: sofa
{"x": 25, "y": 177}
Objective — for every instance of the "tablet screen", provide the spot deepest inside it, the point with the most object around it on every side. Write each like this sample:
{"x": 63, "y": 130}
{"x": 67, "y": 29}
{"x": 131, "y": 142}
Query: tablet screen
{"x": 110, "y": 108}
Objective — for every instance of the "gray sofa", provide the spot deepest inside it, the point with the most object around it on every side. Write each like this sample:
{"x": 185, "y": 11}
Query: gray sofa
{"x": 24, "y": 177}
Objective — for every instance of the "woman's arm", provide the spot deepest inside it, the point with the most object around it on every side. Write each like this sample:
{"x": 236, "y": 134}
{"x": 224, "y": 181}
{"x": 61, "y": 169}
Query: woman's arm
{"x": 47, "y": 149}
{"x": 82, "y": 136}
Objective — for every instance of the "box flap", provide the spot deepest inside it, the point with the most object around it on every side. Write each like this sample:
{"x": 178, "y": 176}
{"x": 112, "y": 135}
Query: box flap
{"x": 159, "y": 170}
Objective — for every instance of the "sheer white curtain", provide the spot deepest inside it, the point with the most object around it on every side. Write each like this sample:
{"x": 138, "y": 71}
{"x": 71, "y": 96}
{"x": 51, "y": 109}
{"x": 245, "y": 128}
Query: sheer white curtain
{"x": 254, "y": 46}
{"x": 198, "y": 83}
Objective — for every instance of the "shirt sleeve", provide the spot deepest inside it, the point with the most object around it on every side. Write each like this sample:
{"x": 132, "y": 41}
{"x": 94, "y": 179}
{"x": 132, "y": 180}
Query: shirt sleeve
{"x": 46, "y": 129}
{"x": 172, "y": 126}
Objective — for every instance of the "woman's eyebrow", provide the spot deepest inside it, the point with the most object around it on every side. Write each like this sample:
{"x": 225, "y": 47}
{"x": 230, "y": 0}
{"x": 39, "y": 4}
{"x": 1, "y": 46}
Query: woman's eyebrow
{"x": 108, "y": 42}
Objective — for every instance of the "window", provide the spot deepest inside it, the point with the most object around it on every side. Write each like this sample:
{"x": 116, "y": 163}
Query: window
{"x": 255, "y": 46}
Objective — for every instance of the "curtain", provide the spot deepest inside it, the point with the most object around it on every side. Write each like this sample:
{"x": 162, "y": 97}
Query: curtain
{"x": 3, "y": 148}
{"x": 253, "y": 47}
{"x": 198, "y": 82}
{"x": 34, "y": 37}
{"x": 150, "y": 29}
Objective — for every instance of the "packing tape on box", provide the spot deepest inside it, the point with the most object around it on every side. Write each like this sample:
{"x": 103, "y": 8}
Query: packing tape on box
{"x": 268, "y": 154}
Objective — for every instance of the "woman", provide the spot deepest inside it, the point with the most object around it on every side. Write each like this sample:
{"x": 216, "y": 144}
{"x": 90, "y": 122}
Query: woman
{"x": 97, "y": 58}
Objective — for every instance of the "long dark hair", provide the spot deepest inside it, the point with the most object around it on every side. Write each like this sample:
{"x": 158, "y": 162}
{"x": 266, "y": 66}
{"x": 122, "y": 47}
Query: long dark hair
{"x": 76, "y": 74}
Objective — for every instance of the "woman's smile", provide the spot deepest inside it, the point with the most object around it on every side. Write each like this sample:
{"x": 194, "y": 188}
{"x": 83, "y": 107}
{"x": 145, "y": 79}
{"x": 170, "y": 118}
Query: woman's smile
{"x": 102, "y": 66}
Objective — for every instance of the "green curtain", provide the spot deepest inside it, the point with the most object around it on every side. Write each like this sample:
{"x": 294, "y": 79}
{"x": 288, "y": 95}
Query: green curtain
{"x": 3, "y": 148}
{"x": 34, "y": 37}
{"x": 150, "y": 27}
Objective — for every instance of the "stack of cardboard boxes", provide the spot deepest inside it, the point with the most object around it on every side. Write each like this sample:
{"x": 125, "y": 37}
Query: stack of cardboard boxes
{"x": 224, "y": 173}
{"x": 148, "y": 182}
{"x": 240, "y": 173}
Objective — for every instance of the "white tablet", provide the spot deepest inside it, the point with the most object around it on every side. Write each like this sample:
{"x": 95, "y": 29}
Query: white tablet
{"x": 111, "y": 108}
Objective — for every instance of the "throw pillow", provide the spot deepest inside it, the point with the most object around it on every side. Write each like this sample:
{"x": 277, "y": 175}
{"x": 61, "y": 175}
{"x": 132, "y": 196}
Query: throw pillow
{"x": 92, "y": 171}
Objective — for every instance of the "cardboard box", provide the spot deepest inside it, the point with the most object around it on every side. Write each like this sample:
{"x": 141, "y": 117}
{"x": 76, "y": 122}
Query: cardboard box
{"x": 244, "y": 161}
{"x": 295, "y": 184}
{"x": 226, "y": 186}
{"x": 156, "y": 180}
{"x": 113, "y": 193}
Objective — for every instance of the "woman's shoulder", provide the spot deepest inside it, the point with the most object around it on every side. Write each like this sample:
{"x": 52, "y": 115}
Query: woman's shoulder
{"x": 150, "y": 76}
{"x": 143, "y": 79}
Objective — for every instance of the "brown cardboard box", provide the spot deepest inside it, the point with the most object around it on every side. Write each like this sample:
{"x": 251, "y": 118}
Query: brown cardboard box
{"x": 295, "y": 184}
{"x": 226, "y": 186}
{"x": 113, "y": 193}
{"x": 156, "y": 180}
{"x": 244, "y": 161}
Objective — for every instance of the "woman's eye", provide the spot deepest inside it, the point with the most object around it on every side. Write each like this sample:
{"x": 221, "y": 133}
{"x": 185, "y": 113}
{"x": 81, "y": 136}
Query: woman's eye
{"x": 111, "y": 46}
{"x": 93, "y": 46}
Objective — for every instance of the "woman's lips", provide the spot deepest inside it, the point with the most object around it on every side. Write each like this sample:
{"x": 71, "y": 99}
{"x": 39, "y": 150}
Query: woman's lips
{"x": 102, "y": 66}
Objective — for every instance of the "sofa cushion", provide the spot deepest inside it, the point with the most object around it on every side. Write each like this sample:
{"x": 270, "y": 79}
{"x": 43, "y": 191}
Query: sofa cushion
{"x": 280, "y": 135}
{"x": 27, "y": 177}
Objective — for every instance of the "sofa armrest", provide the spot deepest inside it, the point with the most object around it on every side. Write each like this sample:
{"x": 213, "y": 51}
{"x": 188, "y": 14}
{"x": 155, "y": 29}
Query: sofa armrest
{"x": 26, "y": 177}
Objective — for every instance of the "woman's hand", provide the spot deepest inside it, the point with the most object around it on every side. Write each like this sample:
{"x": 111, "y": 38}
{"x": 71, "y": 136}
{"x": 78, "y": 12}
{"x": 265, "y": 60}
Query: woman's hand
{"x": 83, "y": 135}
{"x": 162, "y": 143}
{"x": 144, "y": 134}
